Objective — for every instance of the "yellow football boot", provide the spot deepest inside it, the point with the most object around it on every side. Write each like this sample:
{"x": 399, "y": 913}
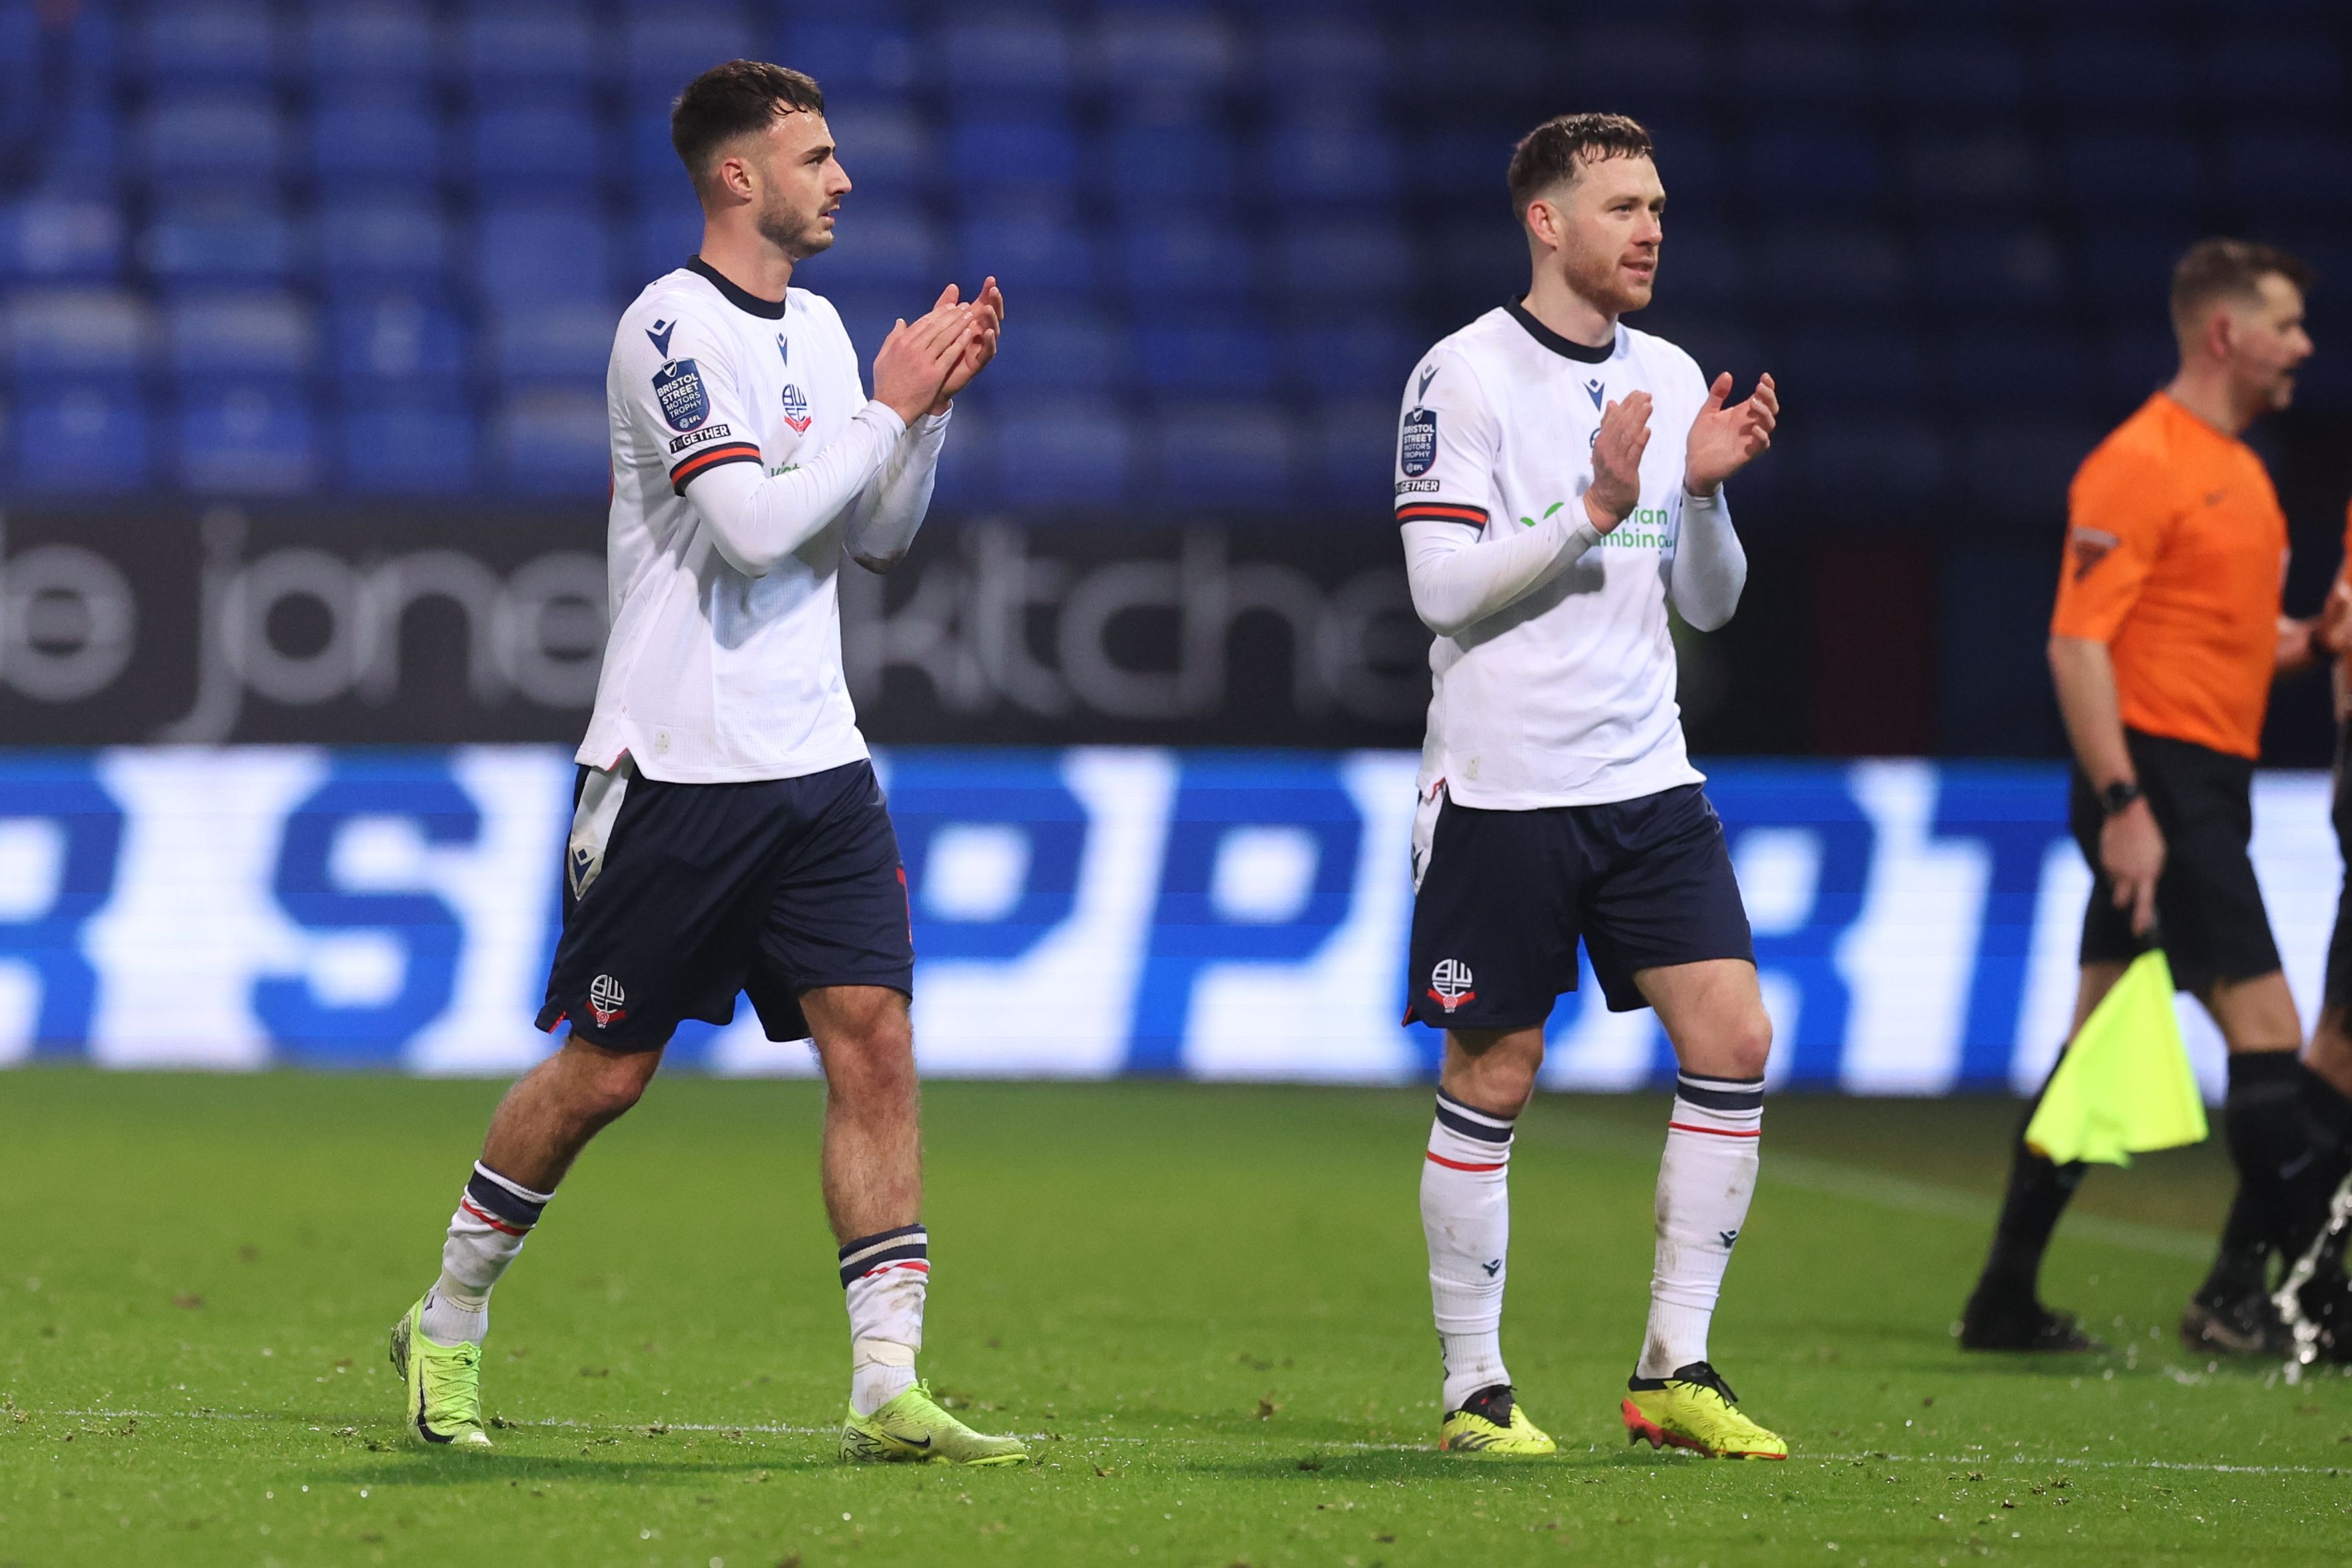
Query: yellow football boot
{"x": 1696, "y": 1409}
{"x": 1492, "y": 1422}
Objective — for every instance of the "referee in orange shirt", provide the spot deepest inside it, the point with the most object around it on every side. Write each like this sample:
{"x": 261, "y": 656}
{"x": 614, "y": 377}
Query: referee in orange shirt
{"x": 2167, "y": 637}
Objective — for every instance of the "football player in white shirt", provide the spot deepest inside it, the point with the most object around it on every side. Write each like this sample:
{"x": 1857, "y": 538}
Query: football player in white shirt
{"x": 1560, "y": 478}
{"x": 728, "y": 834}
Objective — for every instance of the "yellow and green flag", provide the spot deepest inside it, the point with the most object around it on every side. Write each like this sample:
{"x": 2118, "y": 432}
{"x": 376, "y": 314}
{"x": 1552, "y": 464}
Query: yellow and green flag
{"x": 2123, "y": 1087}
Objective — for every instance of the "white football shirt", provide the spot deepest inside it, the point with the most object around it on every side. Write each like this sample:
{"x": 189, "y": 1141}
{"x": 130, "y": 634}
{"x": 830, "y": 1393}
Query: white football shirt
{"x": 1565, "y": 697}
{"x": 712, "y": 675}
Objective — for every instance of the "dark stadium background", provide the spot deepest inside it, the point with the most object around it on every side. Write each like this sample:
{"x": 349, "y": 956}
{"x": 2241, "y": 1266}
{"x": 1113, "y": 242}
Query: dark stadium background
{"x": 312, "y": 302}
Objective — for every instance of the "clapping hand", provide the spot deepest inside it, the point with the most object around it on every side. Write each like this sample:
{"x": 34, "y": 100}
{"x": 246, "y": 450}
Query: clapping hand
{"x": 1723, "y": 440}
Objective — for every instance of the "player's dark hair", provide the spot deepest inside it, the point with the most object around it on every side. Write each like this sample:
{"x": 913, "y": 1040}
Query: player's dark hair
{"x": 2229, "y": 269}
{"x": 737, "y": 99}
{"x": 1558, "y": 149}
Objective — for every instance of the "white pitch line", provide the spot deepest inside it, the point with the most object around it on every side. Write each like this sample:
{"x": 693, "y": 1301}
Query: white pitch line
{"x": 779, "y": 1429}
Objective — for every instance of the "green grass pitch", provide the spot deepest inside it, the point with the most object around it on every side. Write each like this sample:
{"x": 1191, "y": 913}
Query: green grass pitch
{"x": 1207, "y": 1303}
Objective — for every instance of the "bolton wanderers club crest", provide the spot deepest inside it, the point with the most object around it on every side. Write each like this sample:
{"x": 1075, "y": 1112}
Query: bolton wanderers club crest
{"x": 684, "y": 403}
{"x": 606, "y": 1001}
{"x": 1449, "y": 985}
{"x": 796, "y": 410}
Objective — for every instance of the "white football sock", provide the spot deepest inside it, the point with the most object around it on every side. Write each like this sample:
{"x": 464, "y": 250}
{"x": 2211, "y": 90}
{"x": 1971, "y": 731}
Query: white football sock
{"x": 885, "y": 1278}
{"x": 1466, "y": 1213}
{"x": 1705, "y": 1181}
{"x": 494, "y": 1218}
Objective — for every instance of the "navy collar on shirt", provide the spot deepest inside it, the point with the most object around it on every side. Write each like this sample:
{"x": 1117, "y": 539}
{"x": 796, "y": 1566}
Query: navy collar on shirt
{"x": 752, "y": 304}
{"x": 1564, "y": 346}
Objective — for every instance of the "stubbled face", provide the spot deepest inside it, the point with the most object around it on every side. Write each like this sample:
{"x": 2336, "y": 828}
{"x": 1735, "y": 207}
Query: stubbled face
{"x": 2265, "y": 342}
{"x": 1604, "y": 227}
{"x": 796, "y": 178}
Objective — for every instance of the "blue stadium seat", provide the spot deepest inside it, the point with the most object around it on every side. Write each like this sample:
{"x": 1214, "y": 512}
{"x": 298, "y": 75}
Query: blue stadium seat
{"x": 1036, "y": 254}
{"x": 1477, "y": 261}
{"x": 1164, "y": 50}
{"x": 1358, "y": 259}
{"x": 1462, "y": 163}
{"x": 1827, "y": 161}
{"x": 78, "y": 239}
{"x": 2266, "y": 75}
{"x": 2029, "y": 364}
{"x": 1358, "y": 356}
{"x": 1703, "y": 262}
{"x": 1023, "y": 58}
{"x": 399, "y": 346}
{"x": 78, "y": 334}
{"x": 1330, "y": 159}
{"x": 537, "y": 42}
{"x": 1349, "y": 451}
{"x": 1669, "y": 64}
{"x": 208, "y": 241}
{"x": 2105, "y": 171}
{"x": 381, "y": 141}
{"x": 1475, "y": 61}
{"x": 1055, "y": 348}
{"x": 667, "y": 230}
{"x": 2292, "y": 169}
{"x": 242, "y": 439}
{"x": 269, "y": 334}
{"x": 1843, "y": 363}
{"x": 1079, "y": 454}
{"x": 1781, "y": 65}
{"x": 1188, "y": 258}
{"x": 1223, "y": 352}
{"x": 383, "y": 43}
{"x": 523, "y": 253}
{"x": 212, "y": 136}
{"x": 883, "y": 243}
{"x": 74, "y": 154}
{"x": 1869, "y": 264}
{"x": 1958, "y": 74}
{"x": 1153, "y": 164}
{"x": 1332, "y": 59}
{"x": 1238, "y": 454}
{"x": 549, "y": 151}
{"x": 665, "y": 47}
{"x": 989, "y": 157}
{"x": 409, "y": 450}
{"x": 850, "y": 57}
{"x": 885, "y": 147}
{"x": 1969, "y": 267}
{"x": 76, "y": 437}
{"x": 550, "y": 342}
{"x": 555, "y": 442}
{"x": 1994, "y": 166}
{"x": 967, "y": 473}
{"x": 2106, "y": 71}
{"x": 227, "y": 42}
{"x": 1874, "y": 458}
{"x": 376, "y": 239}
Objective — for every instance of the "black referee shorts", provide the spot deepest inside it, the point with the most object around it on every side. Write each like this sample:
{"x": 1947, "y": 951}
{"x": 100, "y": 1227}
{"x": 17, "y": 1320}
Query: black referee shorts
{"x": 696, "y": 892}
{"x": 2209, "y": 907}
{"x": 1505, "y": 896}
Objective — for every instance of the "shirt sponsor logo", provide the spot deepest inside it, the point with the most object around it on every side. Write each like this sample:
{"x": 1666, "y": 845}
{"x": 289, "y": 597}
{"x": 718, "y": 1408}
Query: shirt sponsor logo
{"x": 1415, "y": 487}
{"x": 796, "y": 409}
{"x": 684, "y": 404}
{"x": 1417, "y": 445}
{"x": 708, "y": 432}
{"x": 1449, "y": 985}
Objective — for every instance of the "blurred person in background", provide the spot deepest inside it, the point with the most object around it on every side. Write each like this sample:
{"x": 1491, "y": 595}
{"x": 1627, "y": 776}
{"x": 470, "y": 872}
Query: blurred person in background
{"x": 2167, "y": 634}
{"x": 730, "y": 834}
{"x": 1544, "y": 535}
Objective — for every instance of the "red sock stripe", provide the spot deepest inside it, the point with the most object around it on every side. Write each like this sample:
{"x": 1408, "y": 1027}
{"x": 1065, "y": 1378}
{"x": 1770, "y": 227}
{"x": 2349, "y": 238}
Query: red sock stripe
{"x": 1462, "y": 1165}
{"x": 492, "y": 1220}
{"x": 1714, "y": 1132}
{"x": 917, "y": 1264}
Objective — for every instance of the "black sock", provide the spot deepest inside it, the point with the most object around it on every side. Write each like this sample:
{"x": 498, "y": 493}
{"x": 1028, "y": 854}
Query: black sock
{"x": 2242, "y": 1262}
{"x": 2331, "y": 1116}
{"x": 2275, "y": 1143}
{"x": 2039, "y": 1189}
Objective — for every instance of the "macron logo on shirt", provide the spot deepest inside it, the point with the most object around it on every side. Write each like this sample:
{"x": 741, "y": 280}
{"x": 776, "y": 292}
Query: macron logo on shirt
{"x": 659, "y": 334}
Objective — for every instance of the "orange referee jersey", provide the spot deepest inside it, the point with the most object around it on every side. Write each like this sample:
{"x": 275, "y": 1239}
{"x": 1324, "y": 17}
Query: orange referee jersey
{"x": 2176, "y": 558}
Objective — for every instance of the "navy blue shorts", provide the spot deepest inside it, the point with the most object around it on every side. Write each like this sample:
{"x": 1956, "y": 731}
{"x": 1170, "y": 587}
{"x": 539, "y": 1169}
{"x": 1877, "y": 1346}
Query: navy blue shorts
{"x": 677, "y": 897}
{"x": 1505, "y": 896}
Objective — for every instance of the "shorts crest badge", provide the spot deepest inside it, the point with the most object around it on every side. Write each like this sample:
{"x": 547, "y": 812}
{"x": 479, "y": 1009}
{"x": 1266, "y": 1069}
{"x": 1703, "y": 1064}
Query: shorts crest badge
{"x": 1449, "y": 985}
{"x": 606, "y": 1001}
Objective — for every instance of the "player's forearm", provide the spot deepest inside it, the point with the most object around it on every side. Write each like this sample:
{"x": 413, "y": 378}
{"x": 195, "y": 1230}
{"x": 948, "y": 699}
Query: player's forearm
{"x": 1710, "y": 565}
{"x": 758, "y": 519}
{"x": 2084, "y": 675}
{"x": 891, "y": 509}
{"x": 1458, "y": 582}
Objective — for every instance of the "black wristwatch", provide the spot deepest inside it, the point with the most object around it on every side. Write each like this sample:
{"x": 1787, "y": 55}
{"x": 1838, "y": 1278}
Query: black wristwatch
{"x": 2116, "y": 796}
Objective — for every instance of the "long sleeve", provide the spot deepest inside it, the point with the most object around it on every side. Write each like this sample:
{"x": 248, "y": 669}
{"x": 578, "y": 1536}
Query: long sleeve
{"x": 1458, "y": 582}
{"x": 889, "y": 511}
{"x": 1710, "y": 567}
{"x": 756, "y": 519}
